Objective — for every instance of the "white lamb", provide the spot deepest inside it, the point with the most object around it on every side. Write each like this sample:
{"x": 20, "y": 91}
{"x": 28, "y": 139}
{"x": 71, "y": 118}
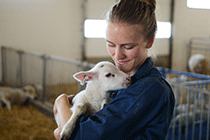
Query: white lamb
{"x": 199, "y": 64}
{"x": 10, "y": 96}
{"x": 100, "y": 80}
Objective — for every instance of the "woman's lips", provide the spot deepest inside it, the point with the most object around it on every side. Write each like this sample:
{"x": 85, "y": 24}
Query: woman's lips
{"x": 121, "y": 63}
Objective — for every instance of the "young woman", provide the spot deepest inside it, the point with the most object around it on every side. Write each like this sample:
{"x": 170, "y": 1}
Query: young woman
{"x": 144, "y": 109}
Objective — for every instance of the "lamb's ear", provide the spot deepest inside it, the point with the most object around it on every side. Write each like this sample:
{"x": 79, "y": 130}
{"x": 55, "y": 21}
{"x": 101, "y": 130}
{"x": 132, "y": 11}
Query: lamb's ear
{"x": 82, "y": 77}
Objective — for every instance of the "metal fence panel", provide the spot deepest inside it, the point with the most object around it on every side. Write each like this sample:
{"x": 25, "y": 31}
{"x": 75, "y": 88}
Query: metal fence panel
{"x": 192, "y": 109}
{"x": 53, "y": 74}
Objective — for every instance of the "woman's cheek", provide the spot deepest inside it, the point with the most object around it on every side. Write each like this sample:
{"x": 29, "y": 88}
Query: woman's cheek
{"x": 110, "y": 51}
{"x": 134, "y": 53}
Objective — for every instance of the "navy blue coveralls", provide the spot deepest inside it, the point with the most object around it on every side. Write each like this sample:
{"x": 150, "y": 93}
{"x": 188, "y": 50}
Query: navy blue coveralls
{"x": 143, "y": 111}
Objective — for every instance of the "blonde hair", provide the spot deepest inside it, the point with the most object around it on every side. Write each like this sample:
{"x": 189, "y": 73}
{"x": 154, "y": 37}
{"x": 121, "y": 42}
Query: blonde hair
{"x": 135, "y": 12}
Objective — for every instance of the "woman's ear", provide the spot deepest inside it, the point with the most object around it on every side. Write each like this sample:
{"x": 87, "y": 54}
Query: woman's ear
{"x": 150, "y": 42}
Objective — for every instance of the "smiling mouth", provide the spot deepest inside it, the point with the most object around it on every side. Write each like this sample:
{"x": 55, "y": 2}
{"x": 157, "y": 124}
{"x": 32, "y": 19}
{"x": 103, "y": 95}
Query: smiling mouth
{"x": 121, "y": 63}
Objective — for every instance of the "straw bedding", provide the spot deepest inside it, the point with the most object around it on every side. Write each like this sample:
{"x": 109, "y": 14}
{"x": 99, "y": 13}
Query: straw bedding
{"x": 25, "y": 123}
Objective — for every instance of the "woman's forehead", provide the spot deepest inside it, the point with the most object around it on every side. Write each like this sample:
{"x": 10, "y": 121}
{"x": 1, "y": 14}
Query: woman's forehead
{"x": 123, "y": 33}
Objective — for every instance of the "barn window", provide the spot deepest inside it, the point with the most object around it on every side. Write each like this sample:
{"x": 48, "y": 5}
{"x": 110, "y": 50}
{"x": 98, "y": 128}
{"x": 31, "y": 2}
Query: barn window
{"x": 198, "y": 4}
{"x": 94, "y": 28}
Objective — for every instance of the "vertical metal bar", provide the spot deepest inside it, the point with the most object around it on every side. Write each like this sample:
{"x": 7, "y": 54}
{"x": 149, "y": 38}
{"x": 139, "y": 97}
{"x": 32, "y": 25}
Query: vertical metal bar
{"x": 3, "y": 64}
{"x": 194, "y": 109}
{"x": 187, "y": 116}
{"x": 44, "y": 77}
{"x": 20, "y": 72}
{"x": 172, "y": 33}
{"x": 189, "y": 54}
{"x": 201, "y": 116}
{"x": 180, "y": 124}
{"x": 83, "y": 50}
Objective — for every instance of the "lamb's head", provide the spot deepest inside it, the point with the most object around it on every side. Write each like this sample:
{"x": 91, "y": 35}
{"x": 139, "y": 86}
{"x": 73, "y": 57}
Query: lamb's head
{"x": 30, "y": 91}
{"x": 198, "y": 64}
{"x": 106, "y": 76}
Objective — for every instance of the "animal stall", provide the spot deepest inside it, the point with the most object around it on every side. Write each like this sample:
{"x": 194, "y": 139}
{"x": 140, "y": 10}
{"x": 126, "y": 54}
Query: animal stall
{"x": 53, "y": 74}
{"x": 50, "y": 76}
{"x": 191, "y": 118}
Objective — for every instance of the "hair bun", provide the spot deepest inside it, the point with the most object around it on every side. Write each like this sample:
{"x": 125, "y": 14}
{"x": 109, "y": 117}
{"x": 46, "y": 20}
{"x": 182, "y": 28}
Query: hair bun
{"x": 151, "y": 3}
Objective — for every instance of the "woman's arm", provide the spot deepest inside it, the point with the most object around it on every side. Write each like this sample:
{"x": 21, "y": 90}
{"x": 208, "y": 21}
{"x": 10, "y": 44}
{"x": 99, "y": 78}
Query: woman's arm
{"x": 141, "y": 112}
{"x": 62, "y": 112}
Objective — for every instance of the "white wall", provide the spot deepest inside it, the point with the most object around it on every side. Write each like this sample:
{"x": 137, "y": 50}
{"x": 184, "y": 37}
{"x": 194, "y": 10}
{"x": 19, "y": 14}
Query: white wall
{"x": 187, "y": 23}
{"x": 46, "y": 26}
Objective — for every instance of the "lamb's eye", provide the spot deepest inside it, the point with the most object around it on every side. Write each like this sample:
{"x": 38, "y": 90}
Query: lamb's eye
{"x": 108, "y": 75}
{"x": 102, "y": 66}
{"x": 113, "y": 75}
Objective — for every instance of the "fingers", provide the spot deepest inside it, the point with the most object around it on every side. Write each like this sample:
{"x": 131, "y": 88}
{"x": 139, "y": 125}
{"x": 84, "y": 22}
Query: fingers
{"x": 62, "y": 113}
{"x": 61, "y": 109}
{"x": 70, "y": 97}
{"x": 61, "y": 100}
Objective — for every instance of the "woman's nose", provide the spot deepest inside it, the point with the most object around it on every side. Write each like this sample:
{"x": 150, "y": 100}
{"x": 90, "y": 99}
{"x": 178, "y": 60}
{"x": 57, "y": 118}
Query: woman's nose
{"x": 119, "y": 53}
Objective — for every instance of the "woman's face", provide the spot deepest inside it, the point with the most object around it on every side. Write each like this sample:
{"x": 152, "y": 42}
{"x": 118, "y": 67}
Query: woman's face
{"x": 127, "y": 46}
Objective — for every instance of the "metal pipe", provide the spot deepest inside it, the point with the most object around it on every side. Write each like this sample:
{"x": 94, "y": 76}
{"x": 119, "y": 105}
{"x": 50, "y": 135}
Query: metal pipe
{"x": 3, "y": 64}
{"x": 172, "y": 33}
{"x": 83, "y": 50}
{"x": 20, "y": 68}
{"x": 44, "y": 77}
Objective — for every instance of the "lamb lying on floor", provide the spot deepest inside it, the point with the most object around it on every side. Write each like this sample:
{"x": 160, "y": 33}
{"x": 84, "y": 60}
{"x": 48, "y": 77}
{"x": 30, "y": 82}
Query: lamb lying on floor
{"x": 10, "y": 96}
{"x": 199, "y": 64}
{"x": 100, "y": 80}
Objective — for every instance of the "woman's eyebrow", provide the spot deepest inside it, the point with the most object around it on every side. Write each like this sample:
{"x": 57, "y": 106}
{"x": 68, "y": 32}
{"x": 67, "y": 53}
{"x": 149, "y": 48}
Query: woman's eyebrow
{"x": 123, "y": 43}
{"x": 109, "y": 41}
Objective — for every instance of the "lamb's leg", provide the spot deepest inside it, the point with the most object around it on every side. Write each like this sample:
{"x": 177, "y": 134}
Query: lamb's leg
{"x": 7, "y": 102}
{"x": 70, "y": 125}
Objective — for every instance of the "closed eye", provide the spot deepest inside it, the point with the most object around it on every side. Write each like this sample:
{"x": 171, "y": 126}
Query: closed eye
{"x": 129, "y": 47}
{"x": 102, "y": 66}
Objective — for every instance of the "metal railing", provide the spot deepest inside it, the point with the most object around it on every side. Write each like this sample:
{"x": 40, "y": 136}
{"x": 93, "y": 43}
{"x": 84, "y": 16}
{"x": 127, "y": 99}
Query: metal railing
{"x": 53, "y": 74}
{"x": 191, "y": 117}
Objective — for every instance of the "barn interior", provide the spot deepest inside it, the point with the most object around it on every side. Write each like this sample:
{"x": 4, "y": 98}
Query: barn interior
{"x": 44, "y": 42}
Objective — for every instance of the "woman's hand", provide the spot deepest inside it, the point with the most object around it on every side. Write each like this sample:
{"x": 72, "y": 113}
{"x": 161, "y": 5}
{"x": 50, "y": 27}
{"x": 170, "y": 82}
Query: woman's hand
{"x": 62, "y": 112}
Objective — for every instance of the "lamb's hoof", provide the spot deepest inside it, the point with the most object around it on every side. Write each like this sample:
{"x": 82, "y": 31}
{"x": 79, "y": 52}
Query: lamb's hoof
{"x": 64, "y": 138}
{"x": 65, "y": 135}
